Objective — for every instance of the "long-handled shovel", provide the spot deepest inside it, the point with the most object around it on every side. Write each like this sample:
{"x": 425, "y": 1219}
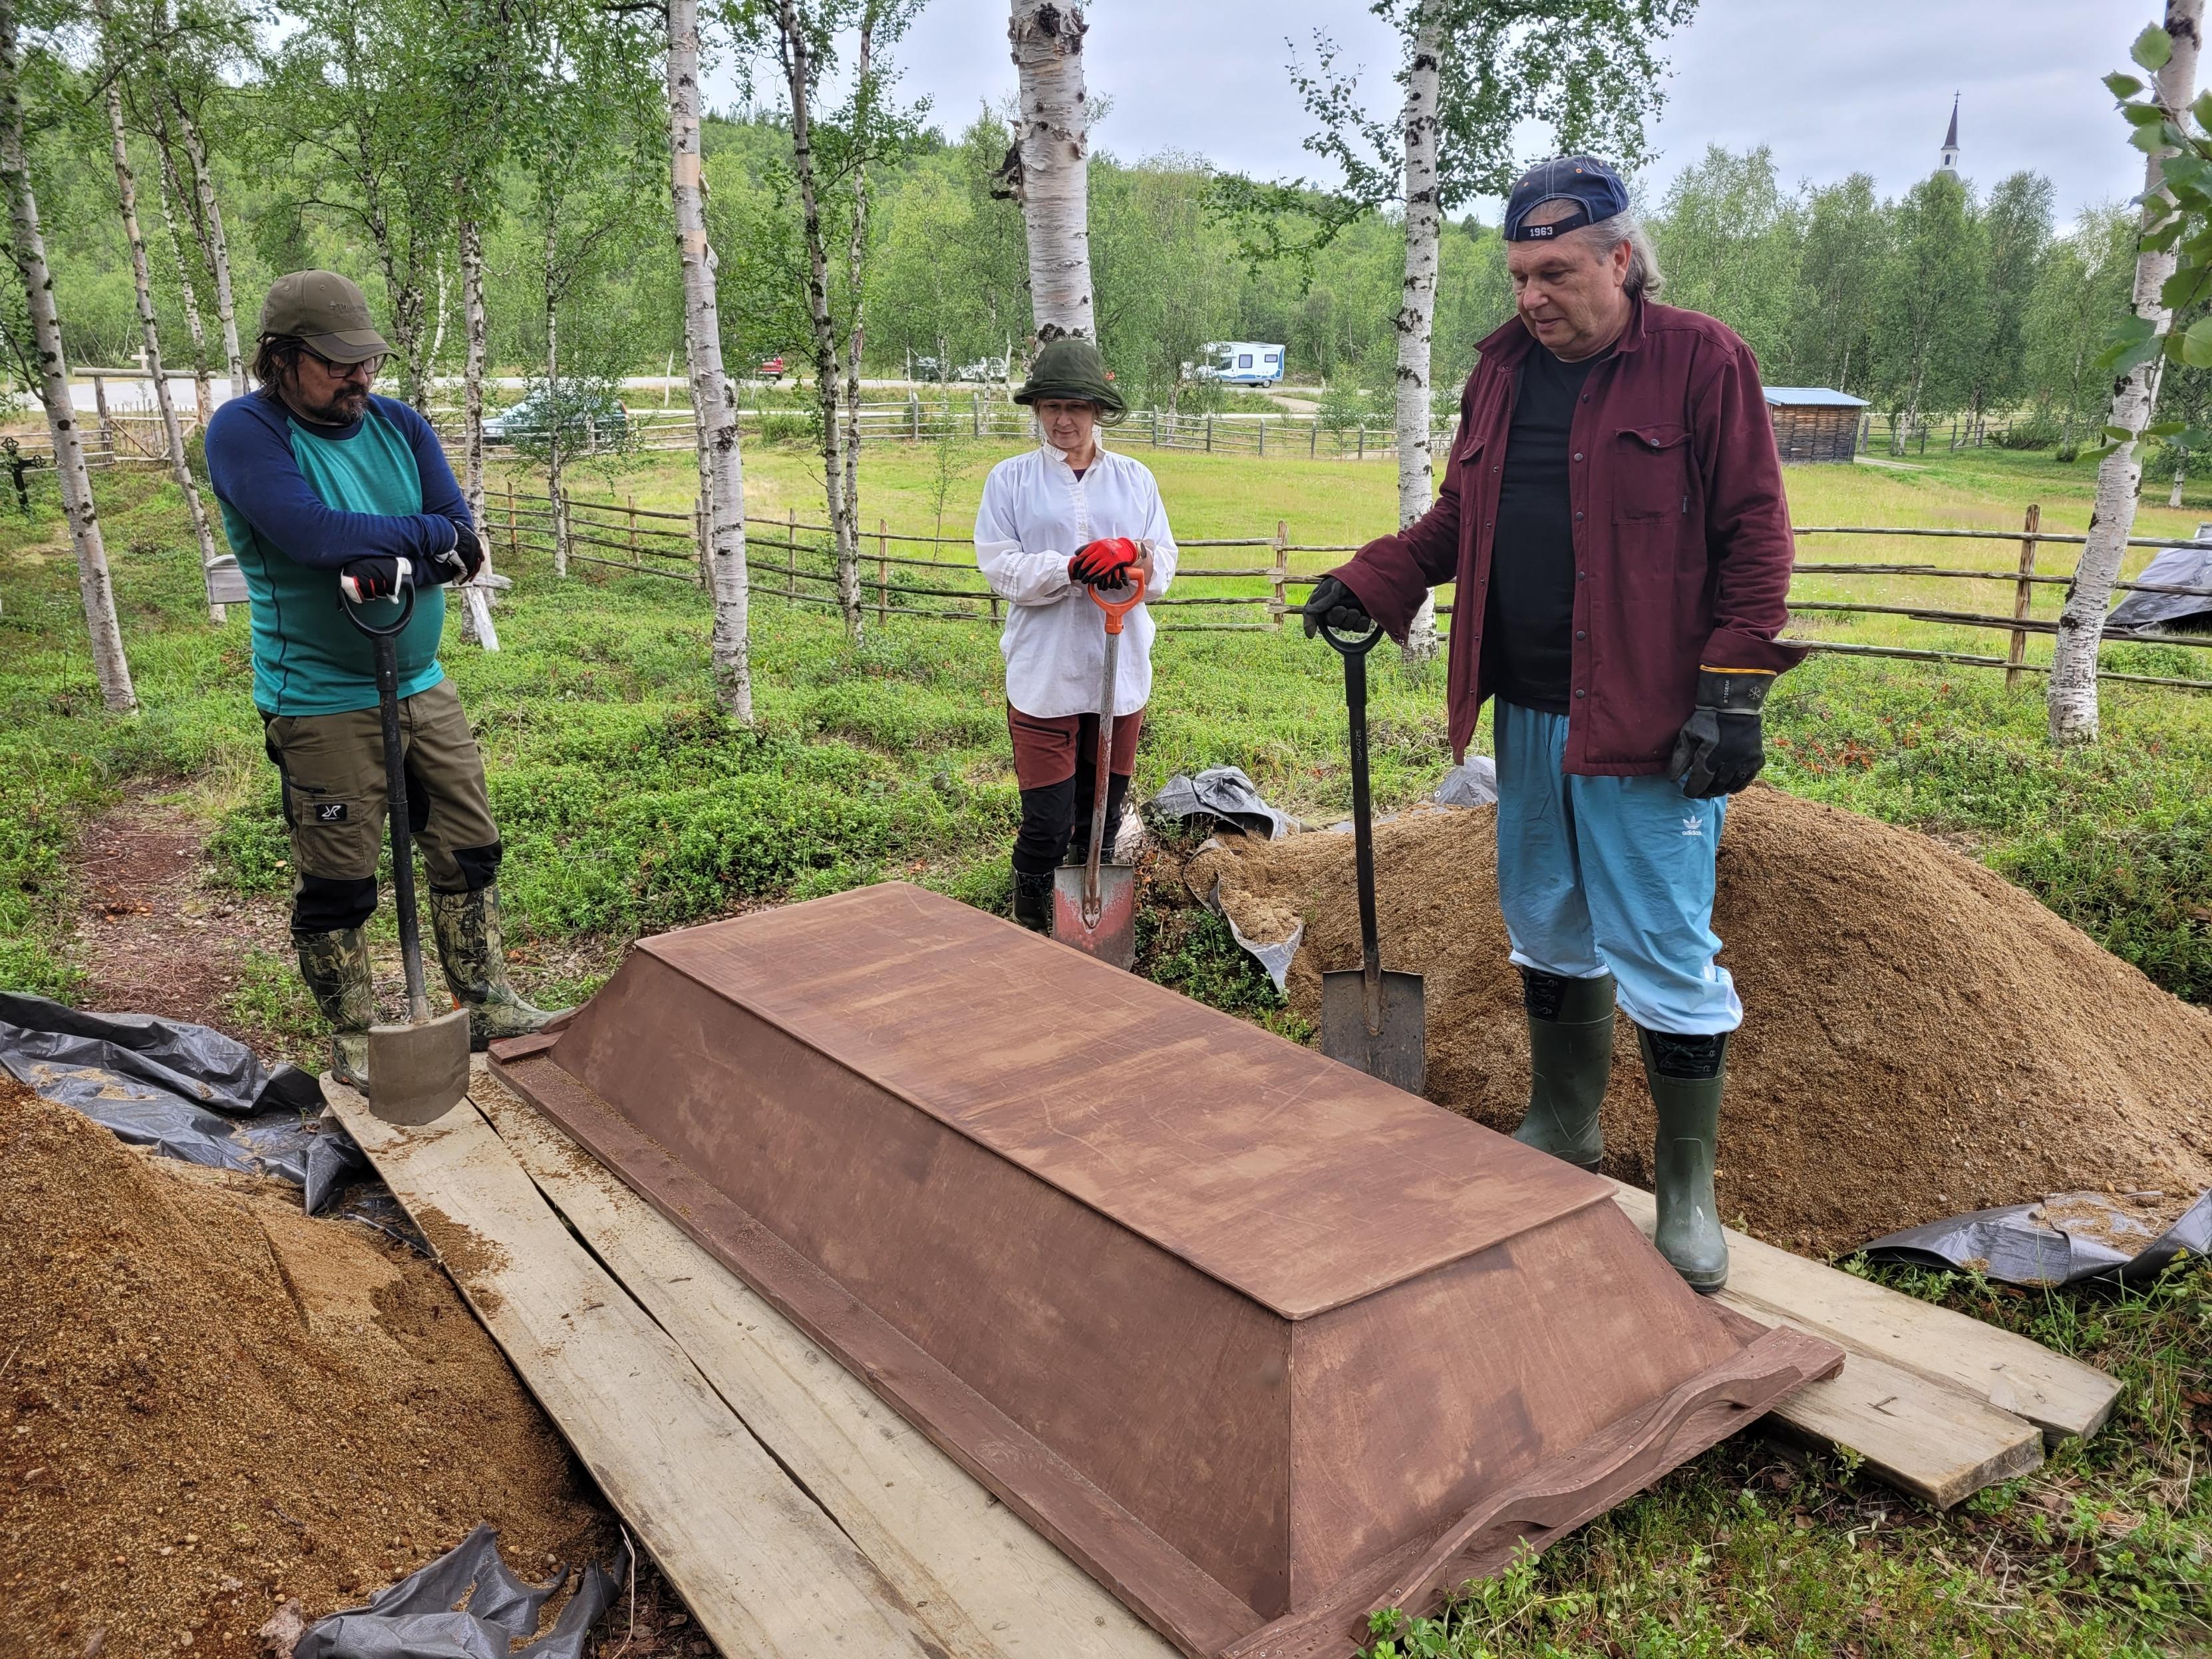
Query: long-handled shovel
{"x": 419, "y": 1071}
{"x": 1371, "y": 1019}
{"x": 1095, "y": 908}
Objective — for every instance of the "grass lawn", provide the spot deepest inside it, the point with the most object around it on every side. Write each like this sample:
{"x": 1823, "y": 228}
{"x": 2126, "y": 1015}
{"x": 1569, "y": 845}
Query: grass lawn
{"x": 629, "y": 804}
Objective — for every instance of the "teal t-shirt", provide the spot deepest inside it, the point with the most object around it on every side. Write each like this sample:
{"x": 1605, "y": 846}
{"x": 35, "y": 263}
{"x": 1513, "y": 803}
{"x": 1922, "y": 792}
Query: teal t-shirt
{"x": 299, "y": 502}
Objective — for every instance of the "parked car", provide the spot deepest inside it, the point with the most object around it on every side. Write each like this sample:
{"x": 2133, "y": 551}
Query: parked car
{"x": 589, "y": 415}
{"x": 929, "y": 369}
{"x": 771, "y": 369}
{"x": 984, "y": 369}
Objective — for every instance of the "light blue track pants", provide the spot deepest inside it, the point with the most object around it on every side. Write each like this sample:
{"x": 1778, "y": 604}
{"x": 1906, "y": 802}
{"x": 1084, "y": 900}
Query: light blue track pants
{"x": 1598, "y": 875}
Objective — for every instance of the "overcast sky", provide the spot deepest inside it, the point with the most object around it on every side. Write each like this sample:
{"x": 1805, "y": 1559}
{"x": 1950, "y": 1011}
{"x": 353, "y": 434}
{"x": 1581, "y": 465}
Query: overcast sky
{"x": 1832, "y": 88}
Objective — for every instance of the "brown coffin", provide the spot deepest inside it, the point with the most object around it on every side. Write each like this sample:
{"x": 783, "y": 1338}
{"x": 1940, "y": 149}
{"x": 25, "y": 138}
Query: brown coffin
{"x": 1260, "y": 1342}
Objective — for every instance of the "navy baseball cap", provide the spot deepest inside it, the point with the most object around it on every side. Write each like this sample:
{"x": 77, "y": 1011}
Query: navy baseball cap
{"x": 1594, "y": 187}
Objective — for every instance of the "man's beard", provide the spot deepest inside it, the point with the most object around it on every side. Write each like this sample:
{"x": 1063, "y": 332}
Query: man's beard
{"x": 344, "y": 407}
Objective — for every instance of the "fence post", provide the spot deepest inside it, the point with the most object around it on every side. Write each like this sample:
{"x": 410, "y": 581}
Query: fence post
{"x": 2023, "y": 592}
{"x": 1279, "y": 606}
{"x": 703, "y": 542}
{"x": 914, "y": 415}
{"x": 560, "y": 505}
{"x": 513, "y": 532}
{"x": 1363, "y": 440}
{"x": 633, "y": 534}
{"x": 1313, "y": 438}
{"x": 976, "y": 411}
{"x": 883, "y": 569}
{"x": 106, "y": 421}
{"x": 791, "y": 554}
{"x": 1263, "y": 437}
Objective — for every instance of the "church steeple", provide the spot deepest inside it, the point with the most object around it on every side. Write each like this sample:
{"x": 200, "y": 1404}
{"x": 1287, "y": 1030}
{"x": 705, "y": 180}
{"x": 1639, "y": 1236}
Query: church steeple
{"x": 1950, "y": 162}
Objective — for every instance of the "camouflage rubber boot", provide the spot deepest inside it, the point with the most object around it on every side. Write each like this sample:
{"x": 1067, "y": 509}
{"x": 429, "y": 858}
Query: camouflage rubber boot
{"x": 1570, "y": 1063}
{"x": 336, "y": 969}
{"x": 475, "y": 959}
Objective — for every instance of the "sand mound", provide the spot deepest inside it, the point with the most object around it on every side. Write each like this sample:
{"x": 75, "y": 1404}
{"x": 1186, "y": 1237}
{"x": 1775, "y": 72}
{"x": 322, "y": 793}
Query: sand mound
{"x": 1921, "y": 1037}
{"x": 210, "y": 1403}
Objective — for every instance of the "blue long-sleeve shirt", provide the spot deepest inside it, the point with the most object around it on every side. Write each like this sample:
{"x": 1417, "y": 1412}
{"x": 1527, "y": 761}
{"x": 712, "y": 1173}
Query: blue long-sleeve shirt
{"x": 300, "y": 500}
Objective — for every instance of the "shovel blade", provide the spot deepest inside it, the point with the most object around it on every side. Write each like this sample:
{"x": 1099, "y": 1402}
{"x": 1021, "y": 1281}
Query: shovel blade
{"x": 1113, "y": 937}
{"x": 417, "y": 1073}
{"x": 1397, "y": 1053}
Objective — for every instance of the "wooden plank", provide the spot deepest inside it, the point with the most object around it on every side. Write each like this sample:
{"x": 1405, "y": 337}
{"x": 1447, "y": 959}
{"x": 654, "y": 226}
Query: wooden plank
{"x": 987, "y": 1585}
{"x": 766, "y": 1572}
{"x": 2059, "y": 1395}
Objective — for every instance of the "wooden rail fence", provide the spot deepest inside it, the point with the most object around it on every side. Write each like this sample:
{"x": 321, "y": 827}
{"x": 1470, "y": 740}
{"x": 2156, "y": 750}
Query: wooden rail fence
{"x": 793, "y": 559}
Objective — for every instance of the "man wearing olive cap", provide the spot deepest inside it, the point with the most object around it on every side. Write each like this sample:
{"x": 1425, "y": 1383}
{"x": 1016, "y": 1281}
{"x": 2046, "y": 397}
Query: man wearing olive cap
{"x": 323, "y": 484}
{"x": 1069, "y": 514}
{"x": 1613, "y": 515}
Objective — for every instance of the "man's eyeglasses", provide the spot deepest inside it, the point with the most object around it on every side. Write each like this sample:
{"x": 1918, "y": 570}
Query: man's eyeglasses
{"x": 365, "y": 369}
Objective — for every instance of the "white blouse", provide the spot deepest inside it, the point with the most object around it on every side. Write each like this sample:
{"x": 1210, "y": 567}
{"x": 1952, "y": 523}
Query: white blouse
{"x": 1035, "y": 514}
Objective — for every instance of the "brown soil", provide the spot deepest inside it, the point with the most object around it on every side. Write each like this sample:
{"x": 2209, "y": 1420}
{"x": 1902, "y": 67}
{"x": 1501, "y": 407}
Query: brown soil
{"x": 153, "y": 938}
{"x": 1921, "y": 1038}
{"x": 209, "y": 1404}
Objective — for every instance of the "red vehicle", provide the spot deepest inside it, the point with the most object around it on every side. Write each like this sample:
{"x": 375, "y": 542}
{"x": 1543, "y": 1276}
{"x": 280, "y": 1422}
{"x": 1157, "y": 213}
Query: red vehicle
{"x": 770, "y": 369}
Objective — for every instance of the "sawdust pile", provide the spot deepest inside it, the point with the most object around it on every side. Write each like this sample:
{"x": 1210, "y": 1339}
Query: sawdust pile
{"x": 1921, "y": 1037}
{"x": 210, "y": 1403}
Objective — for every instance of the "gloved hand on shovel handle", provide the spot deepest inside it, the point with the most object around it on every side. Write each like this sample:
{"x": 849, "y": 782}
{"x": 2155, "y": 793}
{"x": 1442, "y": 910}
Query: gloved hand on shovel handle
{"x": 1107, "y": 563}
{"x": 379, "y": 576}
{"x": 1337, "y": 606}
{"x": 1720, "y": 750}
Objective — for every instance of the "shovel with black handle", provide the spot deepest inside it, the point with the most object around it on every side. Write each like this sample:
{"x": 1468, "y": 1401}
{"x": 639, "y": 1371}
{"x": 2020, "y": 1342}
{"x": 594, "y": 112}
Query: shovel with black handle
{"x": 420, "y": 1070}
{"x": 1094, "y": 908}
{"x": 1372, "y": 1019}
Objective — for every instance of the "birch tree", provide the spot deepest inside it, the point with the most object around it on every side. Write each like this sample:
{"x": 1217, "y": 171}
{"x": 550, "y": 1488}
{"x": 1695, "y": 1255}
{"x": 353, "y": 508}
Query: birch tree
{"x": 215, "y": 247}
{"x": 170, "y": 192}
{"x": 126, "y": 195}
{"x": 47, "y": 368}
{"x": 2177, "y": 198}
{"x": 1048, "y": 169}
{"x": 714, "y": 400}
{"x": 1472, "y": 73}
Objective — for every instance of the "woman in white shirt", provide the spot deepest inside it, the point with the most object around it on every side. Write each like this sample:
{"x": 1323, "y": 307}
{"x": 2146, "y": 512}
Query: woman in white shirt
{"x": 1070, "y": 514}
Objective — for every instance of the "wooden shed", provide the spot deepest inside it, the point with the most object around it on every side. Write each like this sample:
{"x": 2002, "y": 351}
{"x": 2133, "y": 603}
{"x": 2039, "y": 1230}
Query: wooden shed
{"x": 1813, "y": 423}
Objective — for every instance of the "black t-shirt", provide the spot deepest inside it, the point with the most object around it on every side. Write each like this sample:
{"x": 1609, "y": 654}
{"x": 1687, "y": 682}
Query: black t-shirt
{"x": 1529, "y": 615}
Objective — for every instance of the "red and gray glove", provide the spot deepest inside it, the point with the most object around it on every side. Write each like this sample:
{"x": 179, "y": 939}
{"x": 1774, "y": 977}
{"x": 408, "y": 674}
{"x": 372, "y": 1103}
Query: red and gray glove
{"x": 1107, "y": 564}
{"x": 1720, "y": 750}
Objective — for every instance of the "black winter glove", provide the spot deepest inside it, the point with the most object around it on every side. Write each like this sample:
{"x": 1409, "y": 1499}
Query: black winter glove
{"x": 380, "y": 576}
{"x": 458, "y": 564}
{"x": 1719, "y": 751}
{"x": 1335, "y": 603}
{"x": 471, "y": 548}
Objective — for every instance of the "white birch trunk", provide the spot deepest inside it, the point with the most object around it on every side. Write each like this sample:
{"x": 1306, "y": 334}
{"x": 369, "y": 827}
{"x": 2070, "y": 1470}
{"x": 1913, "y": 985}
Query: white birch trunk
{"x": 29, "y": 248}
{"x": 1054, "y": 181}
{"x": 172, "y": 192}
{"x": 475, "y": 597}
{"x": 2180, "y": 477}
{"x": 713, "y": 401}
{"x": 856, "y": 251}
{"x": 180, "y": 466}
{"x": 207, "y": 222}
{"x": 2073, "y": 693}
{"x": 553, "y": 408}
{"x": 799, "y": 75}
{"x": 1416, "y": 311}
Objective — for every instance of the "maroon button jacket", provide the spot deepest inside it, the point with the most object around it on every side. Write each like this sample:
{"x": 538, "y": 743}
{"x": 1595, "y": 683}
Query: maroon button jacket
{"x": 1681, "y": 535}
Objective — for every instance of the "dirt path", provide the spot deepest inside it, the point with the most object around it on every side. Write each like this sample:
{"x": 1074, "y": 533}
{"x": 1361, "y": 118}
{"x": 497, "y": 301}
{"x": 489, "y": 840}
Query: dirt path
{"x": 154, "y": 936}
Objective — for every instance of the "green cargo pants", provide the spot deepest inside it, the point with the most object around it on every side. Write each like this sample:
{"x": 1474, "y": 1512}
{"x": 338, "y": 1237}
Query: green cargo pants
{"x": 332, "y": 767}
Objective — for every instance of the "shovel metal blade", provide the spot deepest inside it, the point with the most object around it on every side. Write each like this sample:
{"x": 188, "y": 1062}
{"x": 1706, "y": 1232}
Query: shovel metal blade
{"x": 1113, "y": 937}
{"x": 417, "y": 1073}
{"x": 1397, "y": 1053}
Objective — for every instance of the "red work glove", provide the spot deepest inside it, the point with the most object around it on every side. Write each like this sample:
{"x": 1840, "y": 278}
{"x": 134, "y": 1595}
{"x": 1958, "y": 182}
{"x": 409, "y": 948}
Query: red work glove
{"x": 1106, "y": 563}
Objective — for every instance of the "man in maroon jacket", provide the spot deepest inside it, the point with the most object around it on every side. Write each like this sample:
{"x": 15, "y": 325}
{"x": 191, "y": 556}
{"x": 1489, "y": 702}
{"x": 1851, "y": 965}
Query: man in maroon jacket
{"x": 1613, "y": 515}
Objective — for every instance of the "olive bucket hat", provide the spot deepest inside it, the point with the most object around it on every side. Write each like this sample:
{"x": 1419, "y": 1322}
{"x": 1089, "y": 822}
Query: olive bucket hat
{"x": 325, "y": 312}
{"x": 1071, "y": 367}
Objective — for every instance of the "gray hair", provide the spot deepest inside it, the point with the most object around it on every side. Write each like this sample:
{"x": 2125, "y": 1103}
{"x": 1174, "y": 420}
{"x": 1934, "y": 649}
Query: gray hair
{"x": 1644, "y": 277}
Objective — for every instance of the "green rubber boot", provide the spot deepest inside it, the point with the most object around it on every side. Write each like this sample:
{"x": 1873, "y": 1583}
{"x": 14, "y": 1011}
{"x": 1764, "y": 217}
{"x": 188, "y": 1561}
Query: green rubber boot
{"x": 475, "y": 960}
{"x": 1689, "y": 1234}
{"x": 336, "y": 969}
{"x": 1570, "y": 1062}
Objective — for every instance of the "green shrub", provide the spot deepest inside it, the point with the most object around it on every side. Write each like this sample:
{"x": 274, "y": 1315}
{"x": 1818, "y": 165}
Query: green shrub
{"x": 2143, "y": 888}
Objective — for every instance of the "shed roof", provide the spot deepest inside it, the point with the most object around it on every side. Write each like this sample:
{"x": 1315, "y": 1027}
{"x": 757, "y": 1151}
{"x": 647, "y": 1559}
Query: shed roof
{"x": 1813, "y": 394}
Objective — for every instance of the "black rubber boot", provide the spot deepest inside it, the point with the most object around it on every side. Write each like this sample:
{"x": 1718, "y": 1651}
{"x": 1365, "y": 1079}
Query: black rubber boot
{"x": 1033, "y": 901}
{"x": 1686, "y": 1075}
{"x": 1570, "y": 1063}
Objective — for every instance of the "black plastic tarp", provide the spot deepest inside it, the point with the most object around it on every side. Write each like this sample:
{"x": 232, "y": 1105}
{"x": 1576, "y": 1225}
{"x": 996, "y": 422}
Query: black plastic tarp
{"x": 187, "y": 1091}
{"x": 2071, "y": 1238}
{"x": 1221, "y": 792}
{"x": 467, "y": 1605}
{"x": 2174, "y": 567}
